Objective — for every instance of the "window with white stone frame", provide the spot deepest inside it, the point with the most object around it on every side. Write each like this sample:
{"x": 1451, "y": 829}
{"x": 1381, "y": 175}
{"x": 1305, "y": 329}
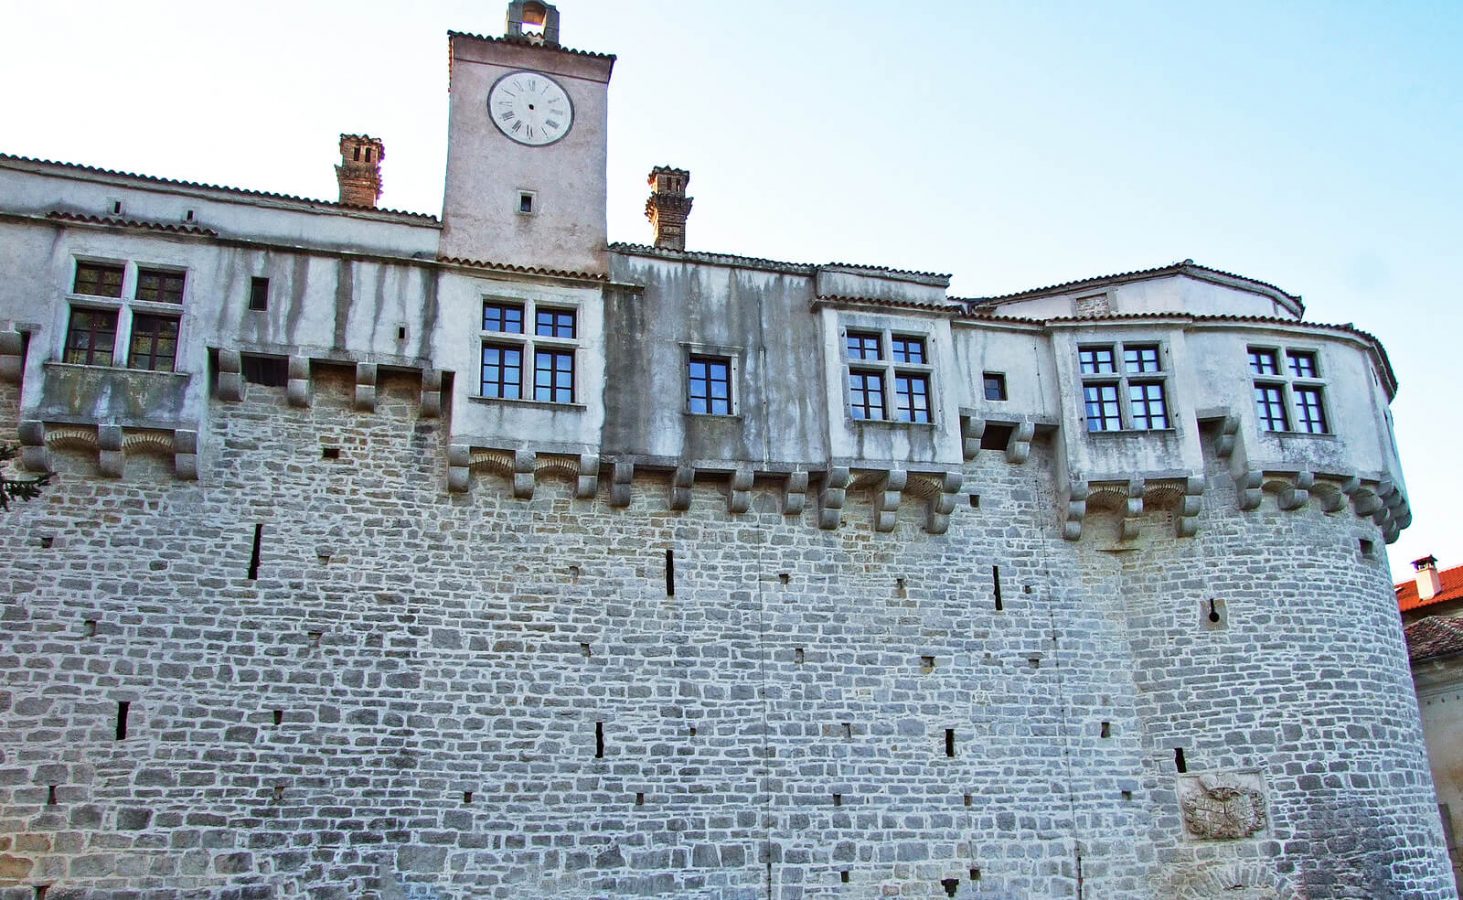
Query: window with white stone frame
{"x": 528, "y": 351}
{"x": 124, "y": 313}
{"x": 1289, "y": 391}
{"x": 888, "y": 376}
{"x": 1124, "y": 387}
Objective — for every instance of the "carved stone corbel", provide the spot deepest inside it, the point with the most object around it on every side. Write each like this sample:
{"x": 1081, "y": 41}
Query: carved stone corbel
{"x": 431, "y": 403}
{"x": 366, "y": 374}
{"x": 795, "y": 494}
{"x": 230, "y": 376}
{"x": 831, "y": 496}
{"x": 523, "y": 474}
{"x": 111, "y": 458}
{"x": 1247, "y": 489}
{"x": 1186, "y": 519}
{"x": 11, "y": 359}
{"x": 587, "y": 484}
{"x": 681, "y": 482}
{"x": 937, "y": 517}
{"x": 1228, "y": 436}
{"x": 887, "y": 494}
{"x": 1018, "y": 447}
{"x": 185, "y": 455}
{"x": 297, "y": 390}
{"x": 1074, "y": 499}
{"x": 34, "y": 457}
{"x": 739, "y": 490}
{"x": 1132, "y": 510}
{"x": 1296, "y": 495}
{"x": 459, "y": 472}
{"x": 621, "y": 488}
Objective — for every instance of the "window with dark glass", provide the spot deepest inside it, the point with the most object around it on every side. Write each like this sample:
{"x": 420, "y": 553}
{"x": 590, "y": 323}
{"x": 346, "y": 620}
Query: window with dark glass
{"x": 995, "y": 385}
{"x": 1264, "y": 362}
{"x": 154, "y": 342}
{"x": 1302, "y": 364}
{"x": 911, "y": 397}
{"x": 502, "y": 371}
{"x": 98, "y": 279}
{"x": 91, "y": 336}
{"x": 159, "y": 286}
{"x": 1102, "y": 411}
{"x": 866, "y": 395}
{"x": 258, "y": 294}
{"x": 709, "y": 385}
{"x": 553, "y": 376}
{"x": 557, "y": 323}
{"x": 268, "y": 371}
{"x": 1290, "y": 397}
{"x": 505, "y": 318}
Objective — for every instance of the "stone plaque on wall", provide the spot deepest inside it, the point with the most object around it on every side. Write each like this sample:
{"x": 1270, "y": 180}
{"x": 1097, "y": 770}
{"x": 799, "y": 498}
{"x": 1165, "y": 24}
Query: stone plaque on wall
{"x": 1222, "y": 806}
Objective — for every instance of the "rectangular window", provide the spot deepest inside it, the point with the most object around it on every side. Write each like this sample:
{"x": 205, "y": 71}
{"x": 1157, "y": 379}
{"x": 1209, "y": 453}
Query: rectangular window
{"x": 866, "y": 395}
{"x": 995, "y": 385}
{"x": 98, "y": 279}
{"x": 863, "y": 346}
{"x": 154, "y": 343}
{"x": 911, "y": 397}
{"x": 1270, "y": 405}
{"x": 1137, "y": 360}
{"x": 502, "y": 372}
{"x": 557, "y": 323}
{"x": 1309, "y": 416}
{"x": 1096, "y": 361}
{"x": 1264, "y": 362}
{"x": 709, "y": 381}
{"x": 159, "y": 286}
{"x": 91, "y": 336}
{"x": 269, "y": 371}
{"x": 258, "y": 294}
{"x": 504, "y": 318}
{"x": 553, "y": 375}
{"x": 1288, "y": 398}
{"x": 907, "y": 349}
{"x": 1302, "y": 364}
{"x": 1101, "y": 401}
{"x": 1147, "y": 406}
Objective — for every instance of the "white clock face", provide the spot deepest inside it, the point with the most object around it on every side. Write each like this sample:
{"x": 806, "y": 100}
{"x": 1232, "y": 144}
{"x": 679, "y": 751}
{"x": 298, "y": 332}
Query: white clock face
{"x": 531, "y": 108}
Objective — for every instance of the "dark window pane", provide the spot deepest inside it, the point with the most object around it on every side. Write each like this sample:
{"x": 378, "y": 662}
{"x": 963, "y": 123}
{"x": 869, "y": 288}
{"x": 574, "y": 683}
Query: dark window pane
{"x": 553, "y": 376}
{"x": 91, "y": 337}
{"x": 159, "y": 286}
{"x": 911, "y": 398}
{"x": 557, "y": 323}
{"x": 1302, "y": 364}
{"x": 259, "y": 294}
{"x": 709, "y": 385}
{"x": 269, "y": 371}
{"x": 98, "y": 279}
{"x": 907, "y": 350}
{"x": 1270, "y": 407}
{"x": 1147, "y": 406}
{"x": 1263, "y": 362}
{"x": 995, "y": 386}
{"x": 1100, "y": 402}
{"x": 1310, "y": 417}
{"x": 866, "y": 395}
{"x": 154, "y": 343}
{"x": 502, "y": 372}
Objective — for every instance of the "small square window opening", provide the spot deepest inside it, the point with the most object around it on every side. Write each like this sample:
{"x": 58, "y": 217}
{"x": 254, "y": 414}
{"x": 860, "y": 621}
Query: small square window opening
{"x": 258, "y": 294}
{"x": 709, "y": 386}
{"x": 995, "y": 385}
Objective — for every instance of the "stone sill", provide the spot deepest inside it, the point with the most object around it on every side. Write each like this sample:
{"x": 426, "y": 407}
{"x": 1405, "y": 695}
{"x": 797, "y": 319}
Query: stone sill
{"x": 529, "y": 404}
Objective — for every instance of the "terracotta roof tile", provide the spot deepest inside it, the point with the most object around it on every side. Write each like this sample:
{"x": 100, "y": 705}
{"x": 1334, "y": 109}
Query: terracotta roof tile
{"x": 268, "y": 195}
{"x": 1187, "y": 265}
{"x": 1433, "y": 637}
{"x": 1452, "y": 579}
{"x": 760, "y": 262}
{"x": 525, "y": 41}
{"x": 837, "y": 300}
{"x": 175, "y": 227}
{"x": 527, "y": 270}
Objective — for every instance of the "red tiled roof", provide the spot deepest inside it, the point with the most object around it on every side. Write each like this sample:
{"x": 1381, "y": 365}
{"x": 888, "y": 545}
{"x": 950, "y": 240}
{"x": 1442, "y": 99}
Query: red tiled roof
{"x": 1187, "y": 266}
{"x": 1433, "y": 637}
{"x": 523, "y": 40}
{"x": 1452, "y": 579}
{"x": 175, "y": 227}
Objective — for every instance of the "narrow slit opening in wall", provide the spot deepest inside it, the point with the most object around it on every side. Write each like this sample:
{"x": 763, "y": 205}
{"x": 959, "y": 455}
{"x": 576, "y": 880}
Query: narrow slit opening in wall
{"x": 837, "y": 799}
{"x": 1213, "y": 614}
{"x": 951, "y": 886}
{"x": 467, "y": 796}
{"x": 969, "y": 800}
{"x": 254, "y": 554}
{"x": 1127, "y": 795}
{"x": 1178, "y": 760}
{"x": 784, "y": 577}
{"x": 848, "y": 731}
{"x": 798, "y": 656}
{"x": 51, "y": 795}
{"x": 1367, "y": 547}
{"x": 89, "y": 628}
{"x": 927, "y": 664}
{"x": 124, "y": 708}
{"x": 996, "y": 585}
{"x": 843, "y": 876}
{"x": 975, "y": 501}
{"x": 670, "y": 573}
{"x": 279, "y": 717}
{"x": 330, "y": 453}
{"x": 693, "y": 730}
{"x": 188, "y": 216}
{"x": 975, "y": 873}
{"x": 41, "y": 891}
{"x": 47, "y": 542}
{"x": 585, "y": 650}
{"x": 950, "y": 742}
{"x": 599, "y": 740}
{"x": 640, "y": 798}
{"x": 279, "y": 792}
{"x": 1106, "y": 730}
{"x": 116, "y": 207}
{"x": 401, "y": 332}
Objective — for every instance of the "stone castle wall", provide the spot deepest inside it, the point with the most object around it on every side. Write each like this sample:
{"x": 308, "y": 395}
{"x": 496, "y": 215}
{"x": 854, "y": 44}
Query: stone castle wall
{"x": 432, "y": 695}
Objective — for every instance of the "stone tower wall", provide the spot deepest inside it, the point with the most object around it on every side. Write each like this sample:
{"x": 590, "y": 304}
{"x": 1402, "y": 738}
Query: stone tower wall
{"x": 775, "y": 727}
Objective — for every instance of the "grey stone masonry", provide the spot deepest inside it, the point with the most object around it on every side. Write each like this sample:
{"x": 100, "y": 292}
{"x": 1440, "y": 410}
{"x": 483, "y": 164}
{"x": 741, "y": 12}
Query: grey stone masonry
{"x": 344, "y": 680}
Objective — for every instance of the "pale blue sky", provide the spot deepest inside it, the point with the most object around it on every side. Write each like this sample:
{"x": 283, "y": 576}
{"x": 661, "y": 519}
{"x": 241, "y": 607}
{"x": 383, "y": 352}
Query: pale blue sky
{"x": 1315, "y": 146}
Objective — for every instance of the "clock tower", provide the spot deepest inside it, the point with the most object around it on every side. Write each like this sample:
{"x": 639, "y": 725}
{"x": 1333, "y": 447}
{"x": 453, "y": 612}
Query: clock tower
{"x": 526, "y": 147}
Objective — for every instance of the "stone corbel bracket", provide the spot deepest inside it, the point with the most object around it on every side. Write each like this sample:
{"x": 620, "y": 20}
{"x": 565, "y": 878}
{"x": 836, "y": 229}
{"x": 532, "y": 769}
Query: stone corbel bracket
{"x": 230, "y": 384}
{"x": 12, "y": 360}
{"x": 586, "y": 483}
{"x": 795, "y": 494}
{"x": 888, "y": 488}
{"x": 682, "y": 481}
{"x": 297, "y": 389}
{"x": 459, "y": 471}
{"x": 1018, "y": 444}
{"x": 1186, "y": 516}
{"x": 940, "y": 491}
{"x": 1018, "y": 448}
{"x": 366, "y": 374}
{"x": 112, "y": 443}
{"x": 431, "y": 402}
{"x": 1297, "y": 494}
{"x": 739, "y": 490}
{"x": 1132, "y": 509}
{"x": 622, "y": 483}
{"x": 1074, "y": 508}
{"x": 832, "y": 494}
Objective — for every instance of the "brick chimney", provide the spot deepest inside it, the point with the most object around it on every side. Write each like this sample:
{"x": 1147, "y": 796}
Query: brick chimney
{"x": 668, "y": 206}
{"x": 359, "y": 172}
{"x": 541, "y": 19}
{"x": 1429, "y": 583}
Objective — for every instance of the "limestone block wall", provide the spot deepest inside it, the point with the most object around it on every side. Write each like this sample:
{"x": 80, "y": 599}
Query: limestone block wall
{"x": 342, "y": 680}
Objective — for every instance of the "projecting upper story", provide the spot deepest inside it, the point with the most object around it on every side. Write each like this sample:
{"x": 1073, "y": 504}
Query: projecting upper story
{"x": 138, "y": 305}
